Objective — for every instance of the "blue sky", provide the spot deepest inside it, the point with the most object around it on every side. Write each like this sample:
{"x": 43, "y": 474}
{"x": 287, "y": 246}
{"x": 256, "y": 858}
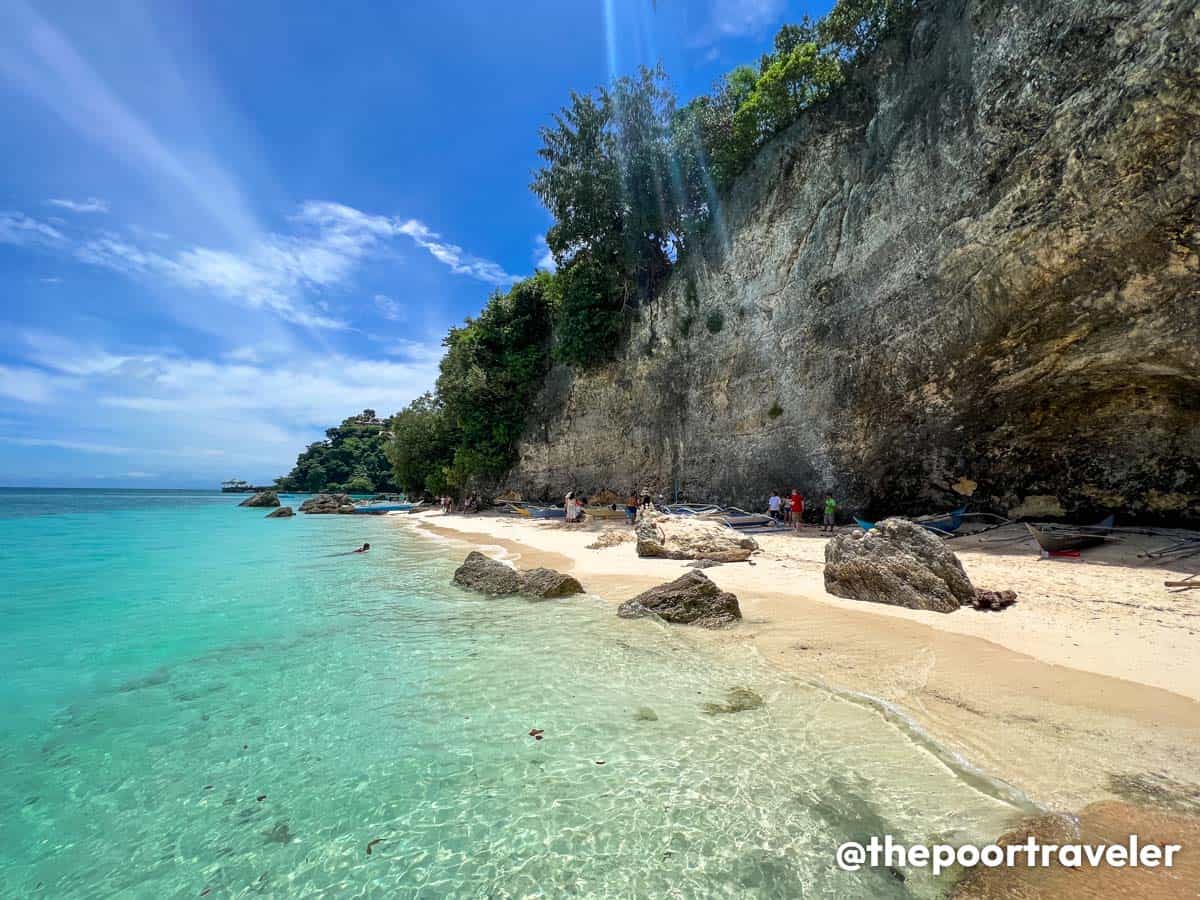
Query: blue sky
{"x": 225, "y": 226}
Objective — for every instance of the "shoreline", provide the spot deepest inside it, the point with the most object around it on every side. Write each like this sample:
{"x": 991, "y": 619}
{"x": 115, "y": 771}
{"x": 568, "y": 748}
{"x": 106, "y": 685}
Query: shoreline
{"x": 1036, "y": 696}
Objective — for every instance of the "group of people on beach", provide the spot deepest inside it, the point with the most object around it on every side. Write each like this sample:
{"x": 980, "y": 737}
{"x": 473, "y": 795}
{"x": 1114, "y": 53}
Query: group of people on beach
{"x": 471, "y": 503}
{"x": 789, "y": 510}
{"x": 574, "y": 507}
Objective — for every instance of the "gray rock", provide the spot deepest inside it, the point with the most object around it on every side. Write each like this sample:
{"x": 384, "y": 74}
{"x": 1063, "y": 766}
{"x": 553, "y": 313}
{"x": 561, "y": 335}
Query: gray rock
{"x": 975, "y": 271}
{"x": 326, "y": 504}
{"x": 487, "y": 576}
{"x": 645, "y": 714}
{"x": 548, "y": 584}
{"x": 899, "y": 563}
{"x": 994, "y": 601}
{"x": 691, "y": 599}
{"x": 738, "y": 699}
{"x": 262, "y": 498}
{"x": 684, "y": 537}
{"x": 282, "y": 513}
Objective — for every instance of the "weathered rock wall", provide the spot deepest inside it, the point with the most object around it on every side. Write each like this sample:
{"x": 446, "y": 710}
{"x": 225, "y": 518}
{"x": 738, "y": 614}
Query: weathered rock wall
{"x": 976, "y": 273}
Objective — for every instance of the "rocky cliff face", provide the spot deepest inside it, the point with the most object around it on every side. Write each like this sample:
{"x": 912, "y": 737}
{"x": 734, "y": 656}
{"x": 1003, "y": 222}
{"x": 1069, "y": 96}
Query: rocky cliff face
{"x": 977, "y": 274}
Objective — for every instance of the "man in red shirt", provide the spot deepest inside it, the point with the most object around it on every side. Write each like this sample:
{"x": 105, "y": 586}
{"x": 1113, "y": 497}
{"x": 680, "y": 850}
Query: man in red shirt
{"x": 797, "y": 509}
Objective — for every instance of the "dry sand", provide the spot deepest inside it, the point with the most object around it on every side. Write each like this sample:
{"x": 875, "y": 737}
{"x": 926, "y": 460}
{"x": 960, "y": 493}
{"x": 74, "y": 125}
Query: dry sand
{"x": 1086, "y": 691}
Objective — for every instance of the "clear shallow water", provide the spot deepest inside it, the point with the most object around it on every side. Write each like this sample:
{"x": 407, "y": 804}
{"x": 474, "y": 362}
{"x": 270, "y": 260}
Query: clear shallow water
{"x": 167, "y": 658}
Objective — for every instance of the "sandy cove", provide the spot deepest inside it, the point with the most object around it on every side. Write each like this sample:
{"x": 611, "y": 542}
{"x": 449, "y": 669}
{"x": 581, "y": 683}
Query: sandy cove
{"x": 1087, "y": 689}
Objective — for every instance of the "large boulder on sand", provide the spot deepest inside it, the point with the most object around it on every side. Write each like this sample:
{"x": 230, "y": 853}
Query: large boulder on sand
{"x": 282, "y": 513}
{"x": 548, "y": 584}
{"x": 486, "y": 575}
{"x": 688, "y": 537}
{"x": 262, "y": 498}
{"x": 323, "y": 504}
{"x": 691, "y": 599}
{"x": 897, "y": 562}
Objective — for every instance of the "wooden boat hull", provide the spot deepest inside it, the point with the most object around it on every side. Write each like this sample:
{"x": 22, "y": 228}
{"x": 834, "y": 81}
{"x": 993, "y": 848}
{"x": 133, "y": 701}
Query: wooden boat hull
{"x": 946, "y": 525}
{"x": 604, "y": 512}
{"x": 1060, "y": 540}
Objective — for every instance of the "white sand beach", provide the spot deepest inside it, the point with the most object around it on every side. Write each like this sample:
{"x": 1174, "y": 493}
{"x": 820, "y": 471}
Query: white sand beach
{"x": 1087, "y": 690}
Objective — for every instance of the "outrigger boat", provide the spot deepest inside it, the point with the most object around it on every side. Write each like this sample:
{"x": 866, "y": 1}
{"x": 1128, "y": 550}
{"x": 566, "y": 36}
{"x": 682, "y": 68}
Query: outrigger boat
{"x": 740, "y": 519}
{"x": 940, "y": 523}
{"x": 691, "y": 509}
{"x": 380, "y": 507}
{"x": 1065, "y": 538}
{"x": 609, "y": 511}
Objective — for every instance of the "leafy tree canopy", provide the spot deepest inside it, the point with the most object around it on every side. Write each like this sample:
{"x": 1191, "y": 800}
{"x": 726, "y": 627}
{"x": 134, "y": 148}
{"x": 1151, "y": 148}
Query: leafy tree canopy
{"x": 351, "y": 458}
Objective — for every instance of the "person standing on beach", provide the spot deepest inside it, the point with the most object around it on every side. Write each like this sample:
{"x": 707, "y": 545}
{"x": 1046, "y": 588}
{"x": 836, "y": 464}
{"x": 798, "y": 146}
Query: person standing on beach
{"x": 569, "y": 506}
{"x": 773, "y": 505}
{"x": 830, "y": 518}
{"x": 631, "y": 506}
{"x": 797, "y": 505}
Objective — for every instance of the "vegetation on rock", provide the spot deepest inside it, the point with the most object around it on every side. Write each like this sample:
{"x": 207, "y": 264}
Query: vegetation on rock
{"x": 350, "y": 459}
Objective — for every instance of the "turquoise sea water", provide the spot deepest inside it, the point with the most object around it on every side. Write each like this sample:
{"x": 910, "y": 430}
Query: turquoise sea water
{"x": 196, "y": 699}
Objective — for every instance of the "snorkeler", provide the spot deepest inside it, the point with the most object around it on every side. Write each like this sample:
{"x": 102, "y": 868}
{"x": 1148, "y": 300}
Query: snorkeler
{"x": 363, "y": 549}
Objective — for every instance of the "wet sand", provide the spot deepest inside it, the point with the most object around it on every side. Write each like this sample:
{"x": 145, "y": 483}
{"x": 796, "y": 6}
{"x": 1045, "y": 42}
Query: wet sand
{"x": 1086, "y": 692}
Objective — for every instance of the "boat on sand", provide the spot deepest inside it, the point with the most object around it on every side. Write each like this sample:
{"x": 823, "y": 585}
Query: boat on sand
{"x": 1065, "y": 538}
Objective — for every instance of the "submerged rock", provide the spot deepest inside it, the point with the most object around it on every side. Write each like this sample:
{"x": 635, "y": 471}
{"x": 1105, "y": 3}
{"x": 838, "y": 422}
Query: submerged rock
{"x": 282, "y": 513}
{"x": 548, "y": 584}
{"x": 899, "y": 563}
{"x": 262, "y": 498}
{"x": 488, "y": 576}
{"x": 685, "y": 537}
{"x": 691, "y": 599}
{"x": 645, "y": 714}
{"x": 323, "y": 504}
{"x": 738, "y": 699}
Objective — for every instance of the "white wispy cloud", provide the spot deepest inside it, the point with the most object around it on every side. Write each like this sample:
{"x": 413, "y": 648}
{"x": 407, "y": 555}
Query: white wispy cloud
{"x": 40, "y": 59}
{"x": 350, "y": 222}
{"x": 285, "y": 274}
{"x": 90, "y": 205}
{"x": 543, "y": 258}
{"x": 21, "y": 230}
{"x": 389, "y": 308}
{"x": 453, "y": 256}
{"x": 247, "y": 406}
{"x": 30, "y": 385}
{"x": 739, "y": 18}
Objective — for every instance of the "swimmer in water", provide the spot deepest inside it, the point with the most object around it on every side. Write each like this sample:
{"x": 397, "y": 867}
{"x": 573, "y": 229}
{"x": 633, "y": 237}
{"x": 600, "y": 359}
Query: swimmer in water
{"x": 363, "y": 549}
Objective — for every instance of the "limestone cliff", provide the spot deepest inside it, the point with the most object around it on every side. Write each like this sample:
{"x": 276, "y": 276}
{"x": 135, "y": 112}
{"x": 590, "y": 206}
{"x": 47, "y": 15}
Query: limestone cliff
{"x": 975, "y": 273}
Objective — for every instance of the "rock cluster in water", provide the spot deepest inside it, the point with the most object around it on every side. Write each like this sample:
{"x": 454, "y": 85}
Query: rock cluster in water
{"x": 262, "y": 498}
{"x": 899, "y": 563}
{"x": 282, "y": 513}
{"x": 691, "y": 599}
{"x": 686, "y": 537}
{"x": 327, "y": 504}
{"x": 490, "y": 576}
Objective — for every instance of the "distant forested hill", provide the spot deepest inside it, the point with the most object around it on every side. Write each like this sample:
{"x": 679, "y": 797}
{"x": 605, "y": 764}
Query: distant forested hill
{"x": 351, "y": 458}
